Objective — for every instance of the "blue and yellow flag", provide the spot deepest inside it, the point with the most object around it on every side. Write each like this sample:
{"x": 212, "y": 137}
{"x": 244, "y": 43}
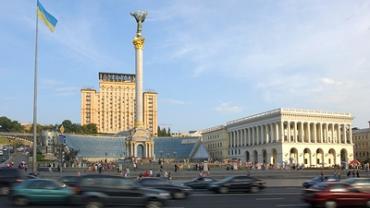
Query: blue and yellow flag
{"x": 48, "y": 19}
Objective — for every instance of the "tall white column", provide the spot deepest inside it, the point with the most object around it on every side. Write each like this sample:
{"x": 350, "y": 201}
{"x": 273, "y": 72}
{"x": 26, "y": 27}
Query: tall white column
{"x": 309, "y": 132}
{"x": 253, "y": 135}
{"x": 249, "y": 136}
{"x": 326, "y": 133}
{"x": 139, "y": 45}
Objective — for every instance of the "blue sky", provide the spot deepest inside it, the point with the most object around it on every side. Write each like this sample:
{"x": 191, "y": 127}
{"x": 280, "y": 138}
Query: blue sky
{"x": 210, "y": 61}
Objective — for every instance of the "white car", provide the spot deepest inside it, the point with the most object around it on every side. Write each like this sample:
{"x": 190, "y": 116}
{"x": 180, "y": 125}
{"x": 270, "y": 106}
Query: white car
{"x": 1, "y": 152}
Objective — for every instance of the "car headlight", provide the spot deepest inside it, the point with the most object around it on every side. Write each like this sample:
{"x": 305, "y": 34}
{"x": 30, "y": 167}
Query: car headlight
{"x": 164, "y": 194}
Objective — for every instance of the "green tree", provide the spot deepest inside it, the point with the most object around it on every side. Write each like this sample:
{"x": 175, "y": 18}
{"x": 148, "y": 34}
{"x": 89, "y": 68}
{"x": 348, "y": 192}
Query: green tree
{"x": 7, "y": 125}
{"x": 89, "y": 129}
{"x": 169, "y": 132}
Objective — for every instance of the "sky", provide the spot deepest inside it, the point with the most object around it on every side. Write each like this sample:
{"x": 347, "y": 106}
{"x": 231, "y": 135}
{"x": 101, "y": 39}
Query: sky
{"x": 211, "y": 61}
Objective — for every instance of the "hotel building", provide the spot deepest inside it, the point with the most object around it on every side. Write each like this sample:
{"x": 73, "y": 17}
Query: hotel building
{"x": 112, "y": 109}
{"x": 361, "y": 140}
{"x": 289, "y": 136}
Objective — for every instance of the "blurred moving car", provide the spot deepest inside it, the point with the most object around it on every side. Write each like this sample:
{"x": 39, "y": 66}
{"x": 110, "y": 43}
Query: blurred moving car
{"x": 335, "y": 194}
{"x": 237, "y": 183}
{"x": 176, "y": 191}
{"x": 362, "y": 184}
{"x": 40, "y": 191}
{"x": 71, "y": 181}
{"x": 319, "y": 179}
{"x": 200, "y": 182}
{"x": 97, "y": 191}
{"x": 8, "y": 177}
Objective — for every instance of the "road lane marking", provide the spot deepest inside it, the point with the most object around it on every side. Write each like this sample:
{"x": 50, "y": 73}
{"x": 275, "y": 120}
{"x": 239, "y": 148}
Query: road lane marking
{"x": 291, "y": 205}
{"x": 244, "y": 194}
{"x": 269, "y": 199}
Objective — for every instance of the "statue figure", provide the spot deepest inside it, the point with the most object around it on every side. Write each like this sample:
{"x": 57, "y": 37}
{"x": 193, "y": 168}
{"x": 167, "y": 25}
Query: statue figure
{"x": 140, "y": 17}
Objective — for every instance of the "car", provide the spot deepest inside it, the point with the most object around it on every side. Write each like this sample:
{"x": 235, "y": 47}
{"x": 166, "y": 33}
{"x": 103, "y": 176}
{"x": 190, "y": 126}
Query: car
{"x": 237, "y": 183}
{"x": 362, "y": 184}
{"x": 319, "y": 179}
{"x": 70, "y": 181}
{"x": 335, "y": 194}
{"x": 97, "y": 191}
{"x": 176, "y": 191}
{"x": 10, "y": 176}
{"x": 200, "y": 182}
{"x": 43, "y": 191}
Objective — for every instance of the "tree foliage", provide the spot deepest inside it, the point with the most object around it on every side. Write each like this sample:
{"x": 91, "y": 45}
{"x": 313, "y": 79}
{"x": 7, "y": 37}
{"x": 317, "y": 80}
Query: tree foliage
{"x": 164, "y": 132}
{"x": 7, "y": 125}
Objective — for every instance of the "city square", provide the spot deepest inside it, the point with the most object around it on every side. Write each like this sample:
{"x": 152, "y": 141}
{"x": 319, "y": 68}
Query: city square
{"x": 197, "y": 104}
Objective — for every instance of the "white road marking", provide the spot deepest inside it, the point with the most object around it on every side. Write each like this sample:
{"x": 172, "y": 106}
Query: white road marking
{"x": 291, "y": 205}
{"x": 246, "y": 194}
{"x": 260, "y": 199}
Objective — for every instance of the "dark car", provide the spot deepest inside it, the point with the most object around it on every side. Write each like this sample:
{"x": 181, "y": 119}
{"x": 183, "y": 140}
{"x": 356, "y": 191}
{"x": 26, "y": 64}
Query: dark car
{"x": 40, "y": 191}
{"x": 319, "y": 179}
{"x": 8, "y": 177}
{"x": 176, "y": 191}
{"x": 362, "y": 184}
{"x": 237, "y": 183}
{"x": 200, "y": 182}
{"x": 70, "y": 181}
{"x": 335, "y": 194}
{"x": 97, "y": 191}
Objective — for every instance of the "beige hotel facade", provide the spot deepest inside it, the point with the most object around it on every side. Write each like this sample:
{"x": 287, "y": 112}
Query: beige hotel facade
{"x": 112, "y": 108}
{"x": 287, "y": 136}
{"x": 361, "y": 140}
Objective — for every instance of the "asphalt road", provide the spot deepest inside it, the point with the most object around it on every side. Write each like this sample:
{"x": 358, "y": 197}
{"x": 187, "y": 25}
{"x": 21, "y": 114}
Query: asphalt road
{"x": 270, "y": 197}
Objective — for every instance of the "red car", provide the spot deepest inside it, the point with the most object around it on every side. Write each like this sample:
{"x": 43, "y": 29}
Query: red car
{"x": 331, "y": 195}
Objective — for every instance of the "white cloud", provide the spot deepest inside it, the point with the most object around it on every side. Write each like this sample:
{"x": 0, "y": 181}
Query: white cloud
{"x": 228, "y": 107}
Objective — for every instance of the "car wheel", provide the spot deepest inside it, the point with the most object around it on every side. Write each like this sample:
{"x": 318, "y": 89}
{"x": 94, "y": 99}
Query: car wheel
{"x": 368, "y": 204}
{"x": 179, "y": 195}
{"x": 254, "y": 189}
{"x": 223, "y": 190}
{"x": 20, "y": 201}
{"x": 330, "y": 204}
{"x": 153, "y": 204}
{"x": 4, "y": 190}
{"x": 94, "y": 203}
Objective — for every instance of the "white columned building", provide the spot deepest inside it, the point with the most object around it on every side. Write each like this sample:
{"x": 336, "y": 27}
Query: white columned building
{"x": 292, "y": 136}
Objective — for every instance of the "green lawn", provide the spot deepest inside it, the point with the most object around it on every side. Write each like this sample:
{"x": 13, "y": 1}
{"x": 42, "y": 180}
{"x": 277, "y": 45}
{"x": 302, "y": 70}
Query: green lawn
{"x": 4, "y": 140}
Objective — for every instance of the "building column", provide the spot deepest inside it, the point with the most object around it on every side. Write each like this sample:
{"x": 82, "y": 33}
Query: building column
{"x": 276, "y": 132}
{"x": 295, "y": 132}
{"x": 332, "y": 133}
{"x": 314, "y": 133}
{"x": 321, "y": 136}
{"x": 339, "y": 140}
{"x": 345, "y": 133}
{"x": 309, "y": 132}
{"x": 326, "y": 133}
{"x": 301, "y": 132}
{"x": 282, "y": 132}
{"x": 350, "y": 134}
{"x": 289, "y": 132}
{"x": 257, "y": 135}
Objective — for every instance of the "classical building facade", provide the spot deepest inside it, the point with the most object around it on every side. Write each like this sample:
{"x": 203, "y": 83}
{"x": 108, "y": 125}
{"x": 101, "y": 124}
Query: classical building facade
{"x": 216, "y": 141}
{"x": 292, "y": 136}
{"x": 112, "y": 109}
{"x": 361, "y": 139}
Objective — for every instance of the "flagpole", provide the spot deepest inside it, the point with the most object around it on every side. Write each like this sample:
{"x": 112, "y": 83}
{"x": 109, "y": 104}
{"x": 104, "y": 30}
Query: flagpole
{"x": 34, "y": 156}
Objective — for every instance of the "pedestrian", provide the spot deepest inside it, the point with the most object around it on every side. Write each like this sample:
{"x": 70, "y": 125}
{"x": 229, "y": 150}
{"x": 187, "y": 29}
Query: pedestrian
{"x": 176, "y": 168}
{"x": 151, "y": 173}
{"x": 135, "y": 166}
{"x": 50, "y": 169}
{"x": 357, "y": 174}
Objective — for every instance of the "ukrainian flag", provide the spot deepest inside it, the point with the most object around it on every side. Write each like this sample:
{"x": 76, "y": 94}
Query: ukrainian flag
{"x": 47, "y": 18}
